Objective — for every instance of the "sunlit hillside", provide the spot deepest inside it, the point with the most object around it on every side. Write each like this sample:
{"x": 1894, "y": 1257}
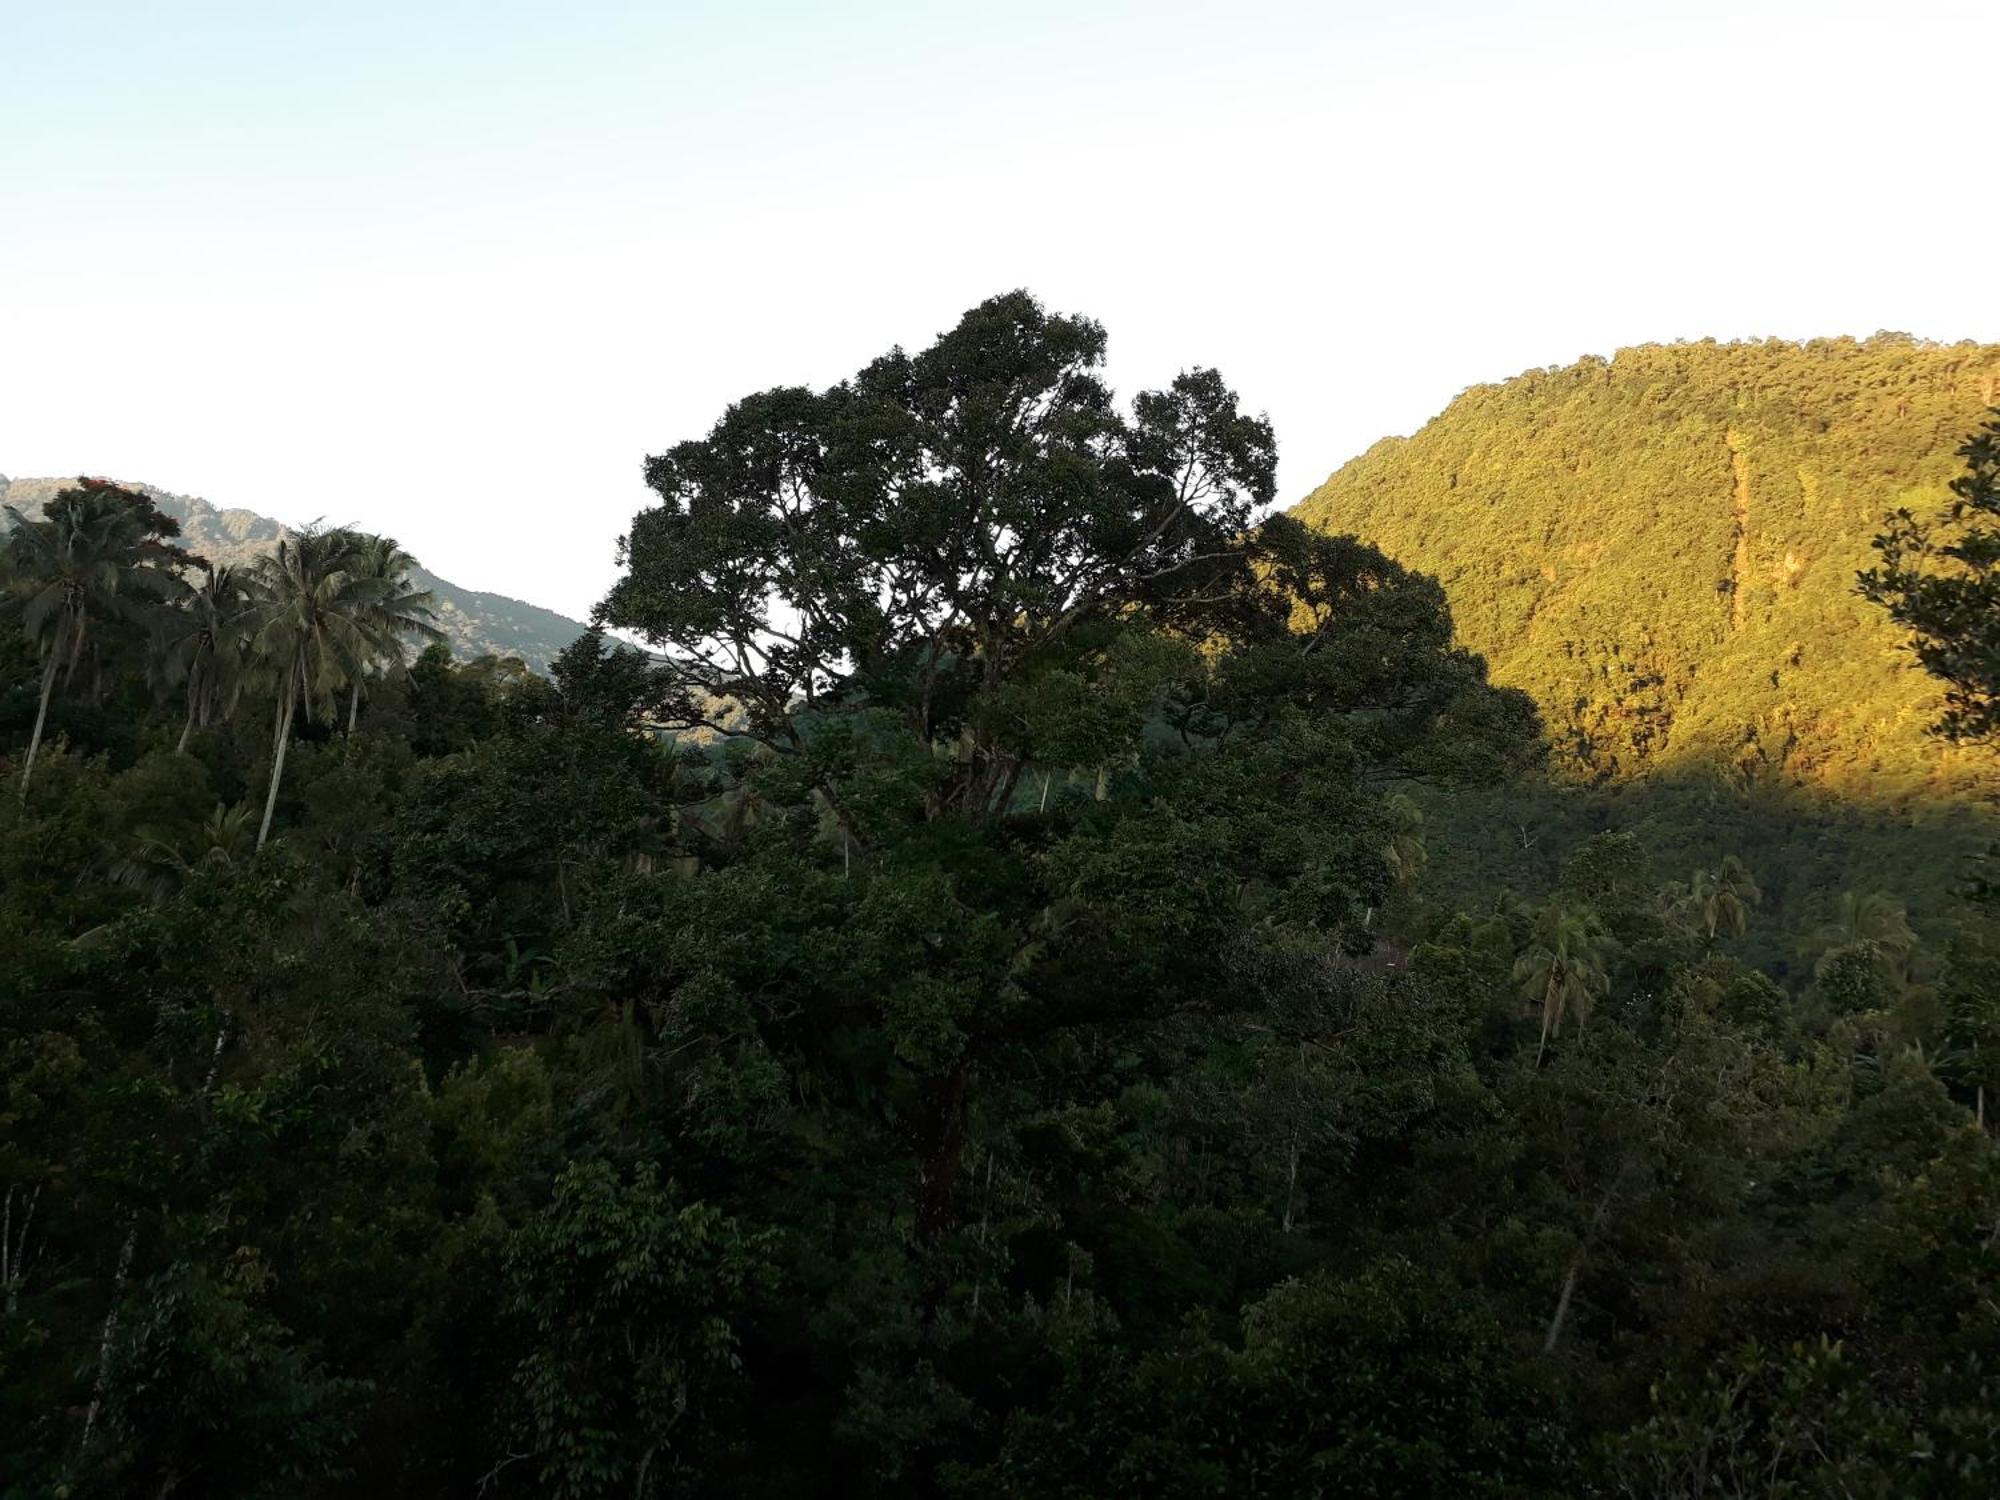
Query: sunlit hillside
{"x": 1662, "y": 549}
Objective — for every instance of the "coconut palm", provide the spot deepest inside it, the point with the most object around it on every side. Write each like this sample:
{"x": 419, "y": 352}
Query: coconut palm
{"x": 398, "y": 613}
{"x": 313, "y": 634}
{"x": 204, "y": 648}
{"x": 1876, "y": 917}
{"x": 159, "y": 861}
{"x": 91, "y": 557}
{"x": 1563, "y": 969}
{"x": 1720, "y": 900}
{"x": 327, "y": 604}
{"x": 1870, "y": 932}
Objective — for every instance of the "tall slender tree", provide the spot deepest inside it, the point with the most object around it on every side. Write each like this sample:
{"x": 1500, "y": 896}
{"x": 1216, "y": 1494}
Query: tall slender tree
{"x": 97, "y": 554}
{"x": 313, "y": 634}
{"x": 1720, "y": 900}
{"x": 1563, "y": 969}
{"x": 399, "y": 612}
{"x": 328, "y": 603}
{"x": 203, "y": 648}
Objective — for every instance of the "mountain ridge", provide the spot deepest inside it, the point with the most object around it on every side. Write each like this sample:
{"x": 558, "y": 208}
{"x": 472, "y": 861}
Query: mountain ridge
{"x": 474, "y": 621}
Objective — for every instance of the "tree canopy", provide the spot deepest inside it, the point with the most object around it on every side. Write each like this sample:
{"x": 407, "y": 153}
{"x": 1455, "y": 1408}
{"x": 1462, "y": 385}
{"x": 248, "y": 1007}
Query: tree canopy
{"x": 1008, "y": 1002}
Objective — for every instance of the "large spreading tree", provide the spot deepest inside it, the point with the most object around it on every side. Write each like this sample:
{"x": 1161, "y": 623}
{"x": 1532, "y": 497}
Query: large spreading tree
{"x": 1053, "y": 730}
{"x": 974, "y": 538}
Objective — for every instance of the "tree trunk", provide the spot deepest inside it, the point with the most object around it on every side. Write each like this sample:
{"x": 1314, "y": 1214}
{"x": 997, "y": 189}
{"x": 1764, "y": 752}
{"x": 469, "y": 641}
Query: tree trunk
{"x": 1548, "y": 1012}
{"x": 1576, "y": 1261}
{"x": 41, "y": 717}
{"x": 75, "y": 650}
{"x": 277, "y": 766}
{"x": 110, "y": 1331}
{"x": 1291, "y": 1183}
{"x": 1562, "y": 1303}
{"x": 186, "y": 729}
{"x": 14, "y": 1247}
{"x": 214, "y": 1060}
{"x": 354, "y": 707}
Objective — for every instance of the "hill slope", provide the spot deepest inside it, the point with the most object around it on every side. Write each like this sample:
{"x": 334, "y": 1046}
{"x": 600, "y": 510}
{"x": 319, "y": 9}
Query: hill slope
{"x": 474, "y": 623}
{"x": 1661, "y": 548}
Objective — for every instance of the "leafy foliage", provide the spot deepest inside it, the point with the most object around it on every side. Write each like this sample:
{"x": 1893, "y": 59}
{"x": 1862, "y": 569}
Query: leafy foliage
{"x": 1950, "y": 613}
{"x": 988, "y": 1014}
{"x": 1661, "y": 548}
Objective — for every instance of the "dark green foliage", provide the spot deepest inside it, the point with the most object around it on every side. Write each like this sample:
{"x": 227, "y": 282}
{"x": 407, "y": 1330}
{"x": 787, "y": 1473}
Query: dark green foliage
{"x": 1390, "y": 1382}
{"x": 623, "y": 1300}
{"x": 204, "y": 1389}
{"x": 1048, "y": 988}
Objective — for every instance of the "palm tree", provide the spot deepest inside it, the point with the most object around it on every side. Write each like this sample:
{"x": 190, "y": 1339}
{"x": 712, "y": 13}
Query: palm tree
{"x": 1721, "y": 899}
{"x": 204, "y": 648}
{"x": 1875, "y": 925}
{"x": 313, "y": 634}
{"x": 1877, "y": 918}
{"x": 399, "y": 611}
{"x": 1564, "y": 968}
{"x": 92, "y": 556}
{"x": 160, "y": 861}
{"x": 327, "y": 604}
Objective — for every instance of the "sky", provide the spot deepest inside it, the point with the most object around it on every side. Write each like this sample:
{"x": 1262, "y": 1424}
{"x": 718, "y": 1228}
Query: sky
{"x": 451, "y": 270}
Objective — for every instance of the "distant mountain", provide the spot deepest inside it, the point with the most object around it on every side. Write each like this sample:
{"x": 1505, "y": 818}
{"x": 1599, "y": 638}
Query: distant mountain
{"x": 474, "y": 623}
{"x": 1661, "y": 548}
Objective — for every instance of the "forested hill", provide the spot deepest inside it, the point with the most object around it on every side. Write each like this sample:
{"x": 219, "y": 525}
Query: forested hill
{"x": 475, "y": 624}
{"x": 1662, "y": 549}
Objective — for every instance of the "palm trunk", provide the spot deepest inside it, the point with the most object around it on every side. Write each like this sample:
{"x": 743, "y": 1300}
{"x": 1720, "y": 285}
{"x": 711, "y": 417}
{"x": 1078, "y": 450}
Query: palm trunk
{"x": 1562, "y": 1304}
{"x": 1548, "y": 1012}
{"x": 1576, "y": 1261}
{"x": 354, "y": 707}
{"x": 284, "y": 740}
{"x": 41, "y": 718}
{"x": 215, "y": 1060}
{"x": 1291, "y": 1182}
{"x": 75, "y": 653}
{"x": 110, "y": 1330}
{"x": 14, "y": 1248}
{"x": 187, "y": 729}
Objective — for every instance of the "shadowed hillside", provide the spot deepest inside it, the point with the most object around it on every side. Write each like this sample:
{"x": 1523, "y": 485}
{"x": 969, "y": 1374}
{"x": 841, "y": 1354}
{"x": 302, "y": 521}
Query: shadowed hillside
{"x": 475, "y": 624}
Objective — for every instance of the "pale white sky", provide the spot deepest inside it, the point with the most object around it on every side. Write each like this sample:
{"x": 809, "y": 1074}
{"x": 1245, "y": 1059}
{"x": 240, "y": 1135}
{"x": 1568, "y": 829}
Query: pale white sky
{"x": 451, "y": 270}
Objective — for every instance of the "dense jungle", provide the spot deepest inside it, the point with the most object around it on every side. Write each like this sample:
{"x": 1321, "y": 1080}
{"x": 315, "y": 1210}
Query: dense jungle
{"x": 1049, "y": 974}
